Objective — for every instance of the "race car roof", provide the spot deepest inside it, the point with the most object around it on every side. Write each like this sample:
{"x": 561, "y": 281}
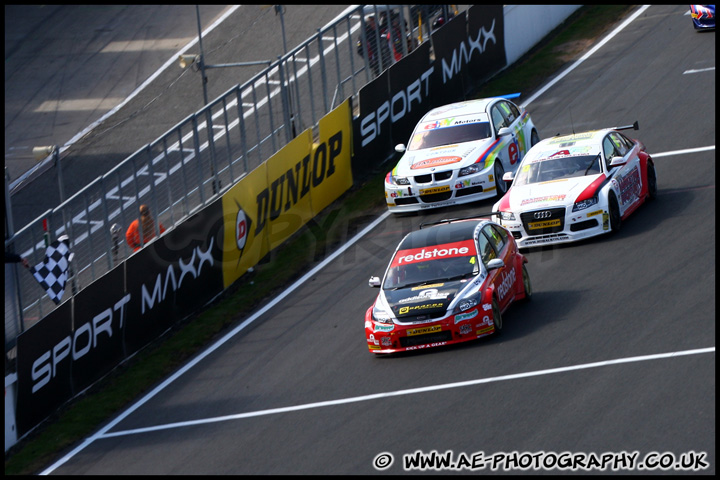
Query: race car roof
{"x": 469, "y": 107}
{"x": 440, "y": 234}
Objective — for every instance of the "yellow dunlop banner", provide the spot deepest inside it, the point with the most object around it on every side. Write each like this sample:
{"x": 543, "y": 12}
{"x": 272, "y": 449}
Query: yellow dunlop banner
{"x": 285, "y": 206}
{"x": 242, "y": 249}
{"x": 332, "y": 174}
{"x": 276, "y": 199}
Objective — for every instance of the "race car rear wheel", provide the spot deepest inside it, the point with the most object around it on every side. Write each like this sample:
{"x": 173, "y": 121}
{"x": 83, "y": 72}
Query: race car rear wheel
{"x": 651, "y": 181}
{"x": 497, "y": 317}
{"x": 615, "y": 218}
{"x": 526, "y": 284}
{"x": 500, "y": 184}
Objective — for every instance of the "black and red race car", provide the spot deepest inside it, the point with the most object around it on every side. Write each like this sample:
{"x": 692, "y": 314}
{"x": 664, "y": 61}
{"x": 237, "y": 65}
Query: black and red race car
{"x": 448, "y": 282}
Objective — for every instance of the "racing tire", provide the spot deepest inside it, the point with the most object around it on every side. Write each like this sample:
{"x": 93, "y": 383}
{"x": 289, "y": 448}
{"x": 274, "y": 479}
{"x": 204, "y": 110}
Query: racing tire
{"x": 534, "y": 138}
{"x": 501, "y": 187}
{"x": 497, "y": 318}
{"x": 527, "y": 286}
{"x": 651, "y": 182}
{"x": 615, "y": 218}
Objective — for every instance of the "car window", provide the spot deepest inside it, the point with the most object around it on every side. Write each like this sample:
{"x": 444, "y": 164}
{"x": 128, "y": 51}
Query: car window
{"x": 609, "y": 150}
{"x": 502, "y": 233}
{"x": 510, "y": 111}
{"x": 495, "y": 238}
{"x": 498, "y": 118}
{"x": 487, "y": 252}
{"x": 437, "y": 137}
{"x": 620, "y": 143}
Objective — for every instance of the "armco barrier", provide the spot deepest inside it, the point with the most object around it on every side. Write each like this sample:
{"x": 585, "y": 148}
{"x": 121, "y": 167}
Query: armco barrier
{"x": 215, "y": 243}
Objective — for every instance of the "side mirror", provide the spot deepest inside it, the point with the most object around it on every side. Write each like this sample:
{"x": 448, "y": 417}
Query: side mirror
{"x": 504, "y": 131}
{"x": 495, "y": 263}
{"x": 400, "y": 148}
{"x": 375, "y": 282}
{"x": 508, "y": 176}
{"x": 617, "y": 161}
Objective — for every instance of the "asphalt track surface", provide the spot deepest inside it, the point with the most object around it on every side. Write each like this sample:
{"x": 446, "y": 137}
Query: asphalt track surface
{"x": 615, "y": 353}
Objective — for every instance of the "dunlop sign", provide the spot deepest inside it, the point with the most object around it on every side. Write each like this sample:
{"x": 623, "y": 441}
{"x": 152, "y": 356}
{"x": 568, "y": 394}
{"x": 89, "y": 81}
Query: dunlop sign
{"x": 276, "y": 199}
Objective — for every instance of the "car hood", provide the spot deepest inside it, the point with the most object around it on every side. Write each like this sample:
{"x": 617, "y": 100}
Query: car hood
{"x": 556, "y": 193}
{"x": 448, "y": 157}
{"x": 426, "y": 300}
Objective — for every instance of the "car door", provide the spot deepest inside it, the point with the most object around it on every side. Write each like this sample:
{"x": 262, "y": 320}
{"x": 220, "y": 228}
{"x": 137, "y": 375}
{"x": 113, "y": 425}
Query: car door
{"x": 504, "y": 115}
{"x": 495, "y": 244}
{"x": 627, "y": 177}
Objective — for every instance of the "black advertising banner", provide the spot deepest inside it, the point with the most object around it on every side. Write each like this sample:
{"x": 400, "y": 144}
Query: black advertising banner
{"x": 87, "y": 336}
{"x": 451, "y": 56}
{"x": 486, "y": 41}
{"x": 410, "y": 92}
{"x": 371, "y": 130}
{"x": 174, "y": 276}
{"x": 44, "y": 367}
{"x": 98, "y": 329}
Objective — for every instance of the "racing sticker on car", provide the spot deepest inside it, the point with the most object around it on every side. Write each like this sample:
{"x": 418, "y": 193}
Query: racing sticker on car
{"x": 430, "y": 191}
{"x": 630, "y": 186}
{"x": 544, "y": 224}
{"x": 465, "y": 316}
{"x": 513, "y": 152}
{"x": 414, "y": 308}
{"x": 435, "y": 162}
{"x": 463, "y": 248}
{"x": 423, "y": 330}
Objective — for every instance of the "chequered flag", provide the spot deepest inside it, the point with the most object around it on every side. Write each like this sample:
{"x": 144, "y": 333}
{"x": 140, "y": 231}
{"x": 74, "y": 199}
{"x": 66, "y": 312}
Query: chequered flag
{"x": 52, "y": 273}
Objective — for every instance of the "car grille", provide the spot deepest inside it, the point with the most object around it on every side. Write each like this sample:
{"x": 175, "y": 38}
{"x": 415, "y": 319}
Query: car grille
{"x": 436, "y": 197}
{"x": 406, "y": 200}
{"x": 427, "y": 178}
{"x": 554, "y": 214}
{"x": 443, "y": 336}
{"x": 468, "y": 191}
{"x": 576, "y": 227}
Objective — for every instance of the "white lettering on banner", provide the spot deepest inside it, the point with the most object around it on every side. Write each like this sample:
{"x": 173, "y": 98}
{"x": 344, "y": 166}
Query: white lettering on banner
{"x": 371, "y": 124}
{"x": 463, "y": 57}
{"x": 44, "y": 368}
{"x": 185, "y": 269}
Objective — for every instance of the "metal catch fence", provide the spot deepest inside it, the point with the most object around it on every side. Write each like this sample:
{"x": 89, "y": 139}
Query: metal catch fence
{"x": 210, "y": 150}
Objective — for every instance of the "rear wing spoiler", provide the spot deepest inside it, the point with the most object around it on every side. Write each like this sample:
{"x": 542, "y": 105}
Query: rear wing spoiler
{"x": 480, "y": 216}
{"x": 634, "y": 126}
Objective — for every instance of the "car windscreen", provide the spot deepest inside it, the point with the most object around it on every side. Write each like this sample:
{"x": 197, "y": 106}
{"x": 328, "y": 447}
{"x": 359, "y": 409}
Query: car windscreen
{"x": 432, "y": 264}
{"x": 437, "y": 137}
{"x": 555, "y": 168}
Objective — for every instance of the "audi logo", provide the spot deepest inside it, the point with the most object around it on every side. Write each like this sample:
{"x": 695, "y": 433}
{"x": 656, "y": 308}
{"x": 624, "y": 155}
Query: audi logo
{"x": 540, "y": 215}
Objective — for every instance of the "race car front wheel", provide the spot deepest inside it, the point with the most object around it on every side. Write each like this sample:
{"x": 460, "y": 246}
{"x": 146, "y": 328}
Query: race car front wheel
{"x": 651, "y": 181}
{"x": 500, "y": 184}
{"x": 526, "y": 284}
{"x": 615, "y": 218}
{"x": 497, "y": 317}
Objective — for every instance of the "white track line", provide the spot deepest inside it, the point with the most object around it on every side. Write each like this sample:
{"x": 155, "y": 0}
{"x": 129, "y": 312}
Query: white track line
{"x": 410, "y": 391}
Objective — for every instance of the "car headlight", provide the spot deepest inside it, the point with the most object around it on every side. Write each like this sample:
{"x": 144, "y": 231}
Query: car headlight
{"x": 466, "y": 304}
{"x": 380, "y": 315}
{"x": 507, "y": 215}
{"x": 399, "y": 180}
{"x": 469, "y": 170}
{"x": 585, "y": 204}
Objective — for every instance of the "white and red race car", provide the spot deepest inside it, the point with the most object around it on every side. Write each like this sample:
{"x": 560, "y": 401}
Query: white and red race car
{"x": 458, "y": 153}
{"x": 572, "y": 187}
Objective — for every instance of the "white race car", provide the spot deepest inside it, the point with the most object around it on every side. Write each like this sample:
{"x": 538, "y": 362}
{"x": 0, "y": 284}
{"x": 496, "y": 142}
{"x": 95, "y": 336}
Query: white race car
{"x": 458, "y": 153}
{"x": 572, "y": 187}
